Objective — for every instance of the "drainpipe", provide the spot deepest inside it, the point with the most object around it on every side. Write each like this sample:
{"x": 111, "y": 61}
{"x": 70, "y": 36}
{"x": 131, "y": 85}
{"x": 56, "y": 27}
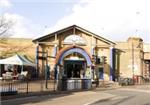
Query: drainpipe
{"x": 111, "y": 64}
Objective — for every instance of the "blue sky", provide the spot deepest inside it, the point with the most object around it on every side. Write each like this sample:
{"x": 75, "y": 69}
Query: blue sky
{"x": 44, "y": 12}
{"x": 40, "y": 14}
{"x": 113, "y": 19}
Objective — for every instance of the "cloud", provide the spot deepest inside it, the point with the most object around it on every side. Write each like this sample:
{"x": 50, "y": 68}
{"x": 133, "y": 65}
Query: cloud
{"x": 112, "y": 19}
{"x": 5, "y": 3}
{"x": 21, "y": 27}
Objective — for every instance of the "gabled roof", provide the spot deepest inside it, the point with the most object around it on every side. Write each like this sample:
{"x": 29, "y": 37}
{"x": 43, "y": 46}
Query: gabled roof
{"x": 73, "y": 27}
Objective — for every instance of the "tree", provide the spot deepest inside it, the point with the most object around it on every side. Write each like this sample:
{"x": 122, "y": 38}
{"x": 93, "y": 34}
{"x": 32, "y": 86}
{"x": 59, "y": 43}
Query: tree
{"x": 10, "y": 46}
{"x": 5, "y": 26}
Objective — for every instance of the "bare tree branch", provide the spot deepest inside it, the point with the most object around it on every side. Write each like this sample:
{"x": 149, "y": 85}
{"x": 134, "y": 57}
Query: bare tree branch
{"x": 6, "y": 48}
{"x": 5, "y": 26}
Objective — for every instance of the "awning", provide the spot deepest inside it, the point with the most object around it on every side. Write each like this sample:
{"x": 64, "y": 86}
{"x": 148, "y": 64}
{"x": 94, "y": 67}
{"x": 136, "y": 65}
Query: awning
{"x": 17, "y": 60}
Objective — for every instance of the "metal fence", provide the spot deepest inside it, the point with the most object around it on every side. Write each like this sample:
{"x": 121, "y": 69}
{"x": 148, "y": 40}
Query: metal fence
{"x": 25, "y": 87}
{"x": 35, "y": 86}
{"x": 137, "y": 80}
{"x": 126, "y": 81}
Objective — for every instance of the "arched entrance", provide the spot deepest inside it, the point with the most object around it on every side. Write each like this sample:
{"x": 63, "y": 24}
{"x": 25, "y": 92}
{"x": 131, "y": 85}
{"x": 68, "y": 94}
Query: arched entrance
{"x": 75, "y": 61}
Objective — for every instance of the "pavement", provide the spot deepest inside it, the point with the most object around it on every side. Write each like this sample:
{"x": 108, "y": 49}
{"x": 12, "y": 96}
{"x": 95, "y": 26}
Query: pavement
{"x": 128, "y": 95}
{"x": 89, "y": 97}
{"x": 137, "y": 88}
{"x": 64, "y": 98}
{"x": 61, "y": 98}
{"x": 75, "y": 98}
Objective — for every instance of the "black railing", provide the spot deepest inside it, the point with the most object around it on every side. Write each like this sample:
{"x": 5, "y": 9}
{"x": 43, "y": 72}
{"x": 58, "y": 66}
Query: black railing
{"x": 125, "y": 81}
{"x": 136, "y": 80}
{"x": 35, "y": 86}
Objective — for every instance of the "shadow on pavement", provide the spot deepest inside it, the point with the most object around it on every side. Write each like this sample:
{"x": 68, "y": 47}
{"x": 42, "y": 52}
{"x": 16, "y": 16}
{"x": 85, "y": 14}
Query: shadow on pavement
{"x": 35, "y": 98}
{"x": 123, "y": 100}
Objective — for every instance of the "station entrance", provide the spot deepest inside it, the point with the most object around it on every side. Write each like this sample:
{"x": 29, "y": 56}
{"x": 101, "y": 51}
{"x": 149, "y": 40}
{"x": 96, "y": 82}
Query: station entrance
{"x": 74, "y": 69}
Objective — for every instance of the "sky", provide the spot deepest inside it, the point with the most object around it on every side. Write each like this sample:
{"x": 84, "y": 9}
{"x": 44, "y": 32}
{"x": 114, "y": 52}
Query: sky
{"x": 115, "y": 20}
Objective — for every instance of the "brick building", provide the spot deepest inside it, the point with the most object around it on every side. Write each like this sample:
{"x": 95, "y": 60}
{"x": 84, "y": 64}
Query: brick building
{"x": 74, "y": 52}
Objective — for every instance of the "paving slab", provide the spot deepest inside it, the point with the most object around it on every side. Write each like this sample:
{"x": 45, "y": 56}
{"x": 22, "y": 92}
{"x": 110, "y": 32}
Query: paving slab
{"x": 76, "y": 98}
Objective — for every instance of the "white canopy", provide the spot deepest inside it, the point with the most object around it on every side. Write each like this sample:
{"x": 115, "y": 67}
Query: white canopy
{"x": 17, "y": 60}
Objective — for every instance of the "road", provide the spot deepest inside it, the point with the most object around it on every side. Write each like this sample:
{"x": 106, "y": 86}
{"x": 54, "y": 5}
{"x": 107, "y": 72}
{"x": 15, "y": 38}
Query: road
{"x": 135, "y": 95}
{"x": 139, "y": 95}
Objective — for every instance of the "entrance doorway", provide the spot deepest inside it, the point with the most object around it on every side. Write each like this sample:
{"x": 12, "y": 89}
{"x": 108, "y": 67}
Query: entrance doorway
{"x": 74, "y": 69}
{"x": 101, "y": 73}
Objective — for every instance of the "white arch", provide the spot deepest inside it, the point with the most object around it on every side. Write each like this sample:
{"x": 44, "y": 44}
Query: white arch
{"x": 75, "y": 39}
